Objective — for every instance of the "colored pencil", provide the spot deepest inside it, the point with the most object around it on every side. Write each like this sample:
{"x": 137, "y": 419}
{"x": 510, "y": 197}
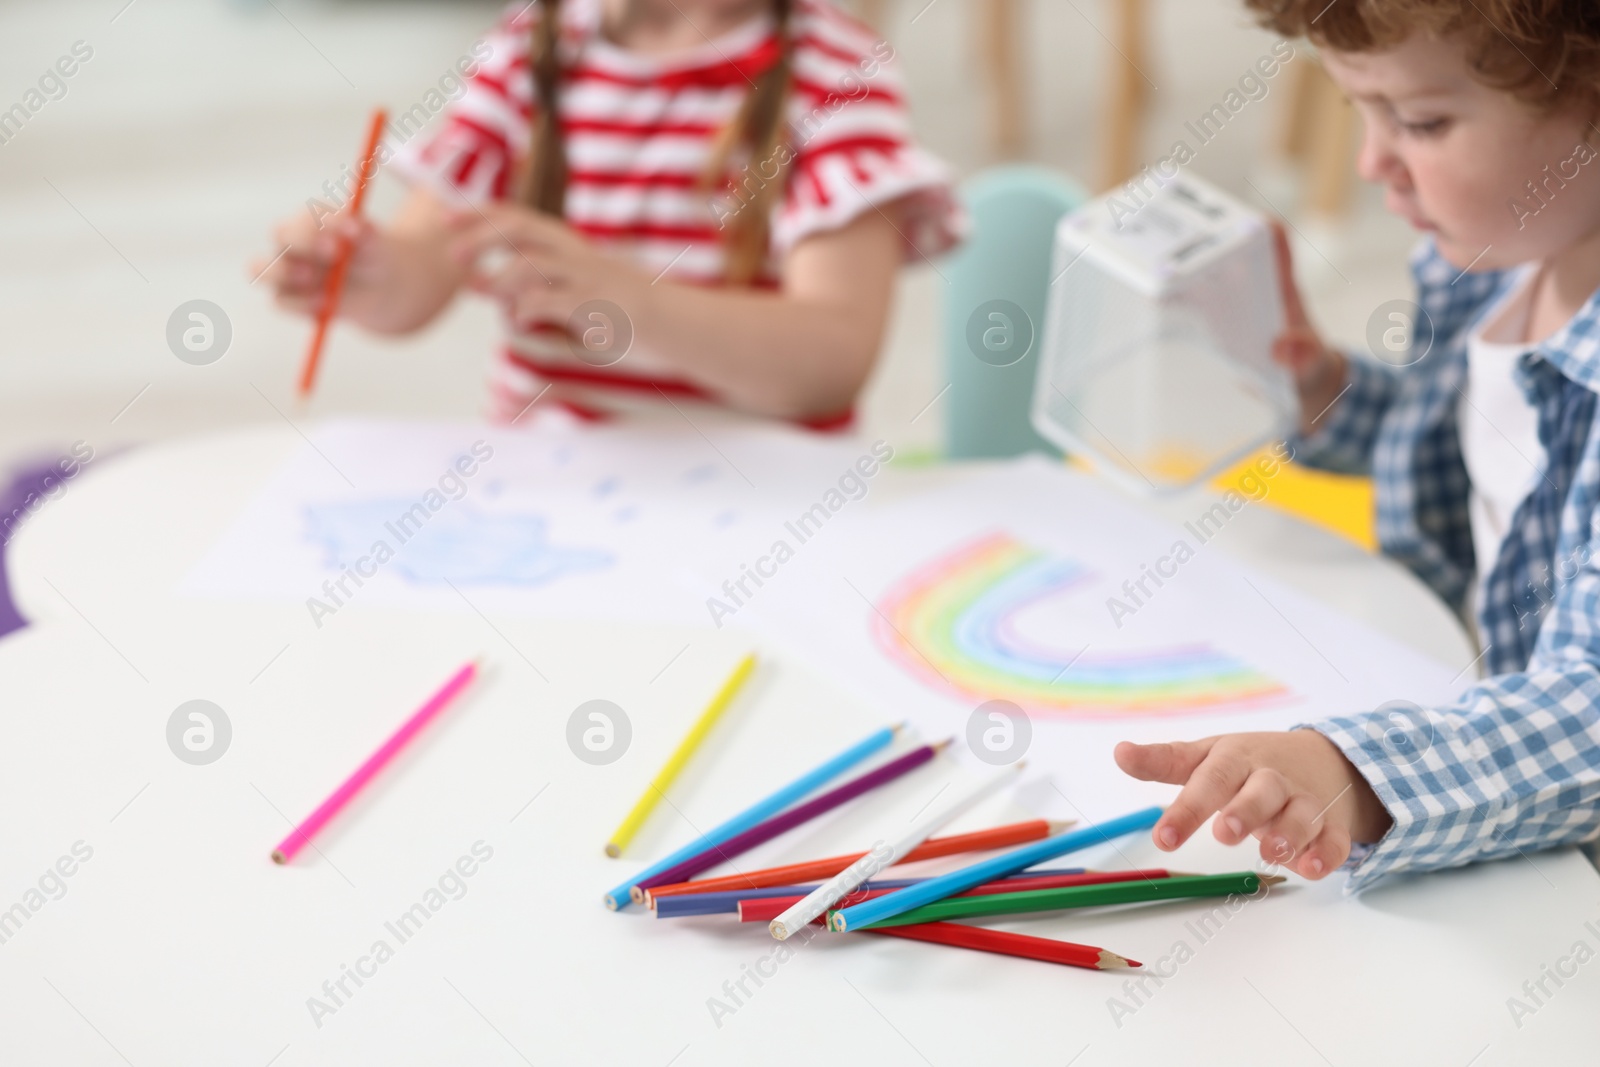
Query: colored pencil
{"x": 334, "y": 286}
{"x": 828, "y": 893}
{"x": 778, "y": 824}
{"x": 1005, "y": 836}
{"x": 753, "y": 910}
{"x": 726, "y": 902}
{"x": 1244, "y": 883}
{"x": 680, "y": 757}
{"x": 1004, "y": 943}
{"x": 988, "y": 870}
{"x": 302, "y": 834}
{"x": 622, "y": 895}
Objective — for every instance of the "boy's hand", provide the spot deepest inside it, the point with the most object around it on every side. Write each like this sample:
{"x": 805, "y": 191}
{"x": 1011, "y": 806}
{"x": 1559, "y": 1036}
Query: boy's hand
{"x": 1317, "y": 369}
{"x": 1293, "y": 791}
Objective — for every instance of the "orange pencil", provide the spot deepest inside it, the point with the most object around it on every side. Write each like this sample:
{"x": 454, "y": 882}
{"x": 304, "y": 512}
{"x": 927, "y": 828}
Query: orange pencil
{"x": 795, "y": 873}
{"x": 365, "y": 165}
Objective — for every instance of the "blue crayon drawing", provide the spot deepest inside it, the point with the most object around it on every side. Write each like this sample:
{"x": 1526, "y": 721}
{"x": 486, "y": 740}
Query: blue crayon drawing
{"x": 456, "y": 544}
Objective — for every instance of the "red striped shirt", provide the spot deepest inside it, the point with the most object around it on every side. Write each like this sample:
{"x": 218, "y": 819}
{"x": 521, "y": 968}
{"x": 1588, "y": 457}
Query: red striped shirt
{"x": 639, "y": 132}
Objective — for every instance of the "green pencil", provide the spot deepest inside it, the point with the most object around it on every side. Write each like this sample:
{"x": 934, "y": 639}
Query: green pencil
{"x": 1083, "y": 896}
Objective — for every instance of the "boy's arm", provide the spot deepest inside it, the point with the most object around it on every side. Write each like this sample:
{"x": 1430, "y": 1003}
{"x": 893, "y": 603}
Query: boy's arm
{"x": 1512, "y": 766}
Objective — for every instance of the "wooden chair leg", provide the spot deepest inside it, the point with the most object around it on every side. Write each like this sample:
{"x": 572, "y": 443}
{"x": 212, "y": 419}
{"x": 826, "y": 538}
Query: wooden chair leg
{"x": 1125, "y": 112}
{"x": 998, "y": 36}
{"x": 1331, "y": 152}
{"x": 871, "y": 12}
{"x": 1293, "y": 136}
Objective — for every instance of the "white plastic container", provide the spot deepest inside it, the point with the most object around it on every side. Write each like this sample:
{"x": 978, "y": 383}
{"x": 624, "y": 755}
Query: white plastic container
{"x": 1156, "y": 359}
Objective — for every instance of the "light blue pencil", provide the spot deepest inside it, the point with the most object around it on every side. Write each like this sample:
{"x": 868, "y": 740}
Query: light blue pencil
{"x": 891, "y": 904}
{"x": 760, "y": 811}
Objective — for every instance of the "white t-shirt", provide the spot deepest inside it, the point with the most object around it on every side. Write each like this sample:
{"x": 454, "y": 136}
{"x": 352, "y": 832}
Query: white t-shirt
{"x": 1499, "y": 428}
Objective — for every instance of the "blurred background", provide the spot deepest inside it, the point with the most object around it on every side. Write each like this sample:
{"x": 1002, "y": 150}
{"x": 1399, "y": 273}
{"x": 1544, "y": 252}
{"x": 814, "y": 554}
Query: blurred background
{"x": 195, "y": 124}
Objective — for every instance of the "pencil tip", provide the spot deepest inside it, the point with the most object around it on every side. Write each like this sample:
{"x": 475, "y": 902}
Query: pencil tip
{"x": 775, "y": 928}
{"x": 278, "y": 857}
{"x": 1273, "y": 879}
{"x": 612, "y": 850}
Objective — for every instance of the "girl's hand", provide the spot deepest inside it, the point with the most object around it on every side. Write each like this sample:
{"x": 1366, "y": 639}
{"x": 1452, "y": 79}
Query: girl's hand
{"x": 1317, "y": 369}
{"x": 538, "y": 268}
{"x": 1293, "y": 791}
{"x": 373, "y": 295}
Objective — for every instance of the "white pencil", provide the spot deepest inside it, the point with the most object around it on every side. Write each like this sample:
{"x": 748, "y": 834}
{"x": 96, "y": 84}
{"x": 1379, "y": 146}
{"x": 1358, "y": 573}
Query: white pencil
{"x": 829, "y": 893}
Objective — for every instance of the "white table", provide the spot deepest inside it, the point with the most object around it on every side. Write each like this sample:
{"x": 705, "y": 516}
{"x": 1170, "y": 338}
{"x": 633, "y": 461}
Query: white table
{"x": 177, "y": 942}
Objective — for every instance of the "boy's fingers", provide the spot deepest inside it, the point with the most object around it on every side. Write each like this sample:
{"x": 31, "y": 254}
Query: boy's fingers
{"x": 1292, "y": 829}
{"x": 1213, "y": 784}
{"x": 1172, "y": 763}
{"x": 1262, "y": 796}
{"x": 1326, "y": 853}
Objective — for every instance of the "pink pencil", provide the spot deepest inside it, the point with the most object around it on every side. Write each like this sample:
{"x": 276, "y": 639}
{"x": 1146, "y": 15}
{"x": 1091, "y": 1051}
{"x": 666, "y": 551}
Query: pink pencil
{"x": 302, "y": 834}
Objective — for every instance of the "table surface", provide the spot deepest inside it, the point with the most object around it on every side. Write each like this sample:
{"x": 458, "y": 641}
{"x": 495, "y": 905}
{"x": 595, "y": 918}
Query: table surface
{"x": 177, "y": 942}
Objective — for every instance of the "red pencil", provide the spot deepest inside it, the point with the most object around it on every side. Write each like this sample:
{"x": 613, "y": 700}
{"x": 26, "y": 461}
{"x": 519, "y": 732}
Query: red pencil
{"x": 366, "y": 163}
{"x": 765, "y": 909}
{"x": 1008, "y": 944}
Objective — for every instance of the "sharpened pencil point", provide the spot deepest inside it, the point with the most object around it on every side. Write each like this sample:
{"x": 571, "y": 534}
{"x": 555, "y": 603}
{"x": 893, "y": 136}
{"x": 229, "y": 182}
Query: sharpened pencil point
{"x": 1273, "y": 879}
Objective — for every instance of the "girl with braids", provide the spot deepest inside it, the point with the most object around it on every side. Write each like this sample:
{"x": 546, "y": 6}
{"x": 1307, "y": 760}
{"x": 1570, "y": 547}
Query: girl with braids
{"x": 684, "y": 201}
{"x": 1482, "y": 119}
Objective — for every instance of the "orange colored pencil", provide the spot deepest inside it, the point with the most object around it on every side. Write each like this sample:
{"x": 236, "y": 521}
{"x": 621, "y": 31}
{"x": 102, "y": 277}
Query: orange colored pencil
{"x": 365, "y": 165}
{"x": 1006, "y": 836}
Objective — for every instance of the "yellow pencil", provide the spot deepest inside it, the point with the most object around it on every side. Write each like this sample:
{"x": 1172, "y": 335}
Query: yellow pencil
{"x": 686, "y": 748}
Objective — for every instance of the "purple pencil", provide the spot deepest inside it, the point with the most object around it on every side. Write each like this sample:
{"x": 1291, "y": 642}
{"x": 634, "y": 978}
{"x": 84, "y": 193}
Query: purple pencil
{"x": 788, "y": 820}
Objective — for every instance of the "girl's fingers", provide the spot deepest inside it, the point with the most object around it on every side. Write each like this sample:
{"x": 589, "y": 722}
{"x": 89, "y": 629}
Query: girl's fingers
{"x": 1288, "y": 833}
{"x": 1261, "y": 797}
{"x": 1213, "y": 783}
{"x": 1171, "y": 763}
{"x": 1326, "y": 853}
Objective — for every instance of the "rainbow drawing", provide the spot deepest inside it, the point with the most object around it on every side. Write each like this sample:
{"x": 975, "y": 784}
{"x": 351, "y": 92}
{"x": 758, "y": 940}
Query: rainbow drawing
{"x": 954, "y": 621}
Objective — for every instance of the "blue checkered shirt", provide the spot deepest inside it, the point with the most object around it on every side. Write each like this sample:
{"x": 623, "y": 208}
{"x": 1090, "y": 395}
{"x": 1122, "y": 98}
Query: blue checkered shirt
{"x": 1513, "y": 764}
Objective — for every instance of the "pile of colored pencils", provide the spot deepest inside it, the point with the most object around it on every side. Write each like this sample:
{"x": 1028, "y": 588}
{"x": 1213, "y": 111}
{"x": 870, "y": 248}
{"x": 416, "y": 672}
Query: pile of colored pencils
{"x": 845, "y": 893}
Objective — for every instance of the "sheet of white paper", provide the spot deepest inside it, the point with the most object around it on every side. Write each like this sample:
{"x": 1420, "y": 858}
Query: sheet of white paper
{"x": 1032, "y": 584}
{"x": 553, "y": 520}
